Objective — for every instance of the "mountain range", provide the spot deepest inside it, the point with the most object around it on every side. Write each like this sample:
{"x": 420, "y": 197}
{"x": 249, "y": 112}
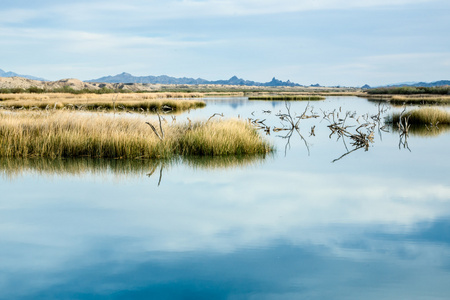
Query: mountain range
{"x": 164, "y": 79}
{"x": 12, "y": 74}
{"x": 424, "y": 84}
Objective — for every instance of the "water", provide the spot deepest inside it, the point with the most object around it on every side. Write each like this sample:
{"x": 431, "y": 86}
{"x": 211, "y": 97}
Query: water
{"x": 294, "y": 225}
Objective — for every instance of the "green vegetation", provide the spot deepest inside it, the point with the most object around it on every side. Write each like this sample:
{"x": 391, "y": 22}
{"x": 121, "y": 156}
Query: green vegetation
{"x": 423, "y": 116}
{"x": 60, "y": 134}
{"x": 287, "y": 98}
{"x": 410, "y": 90}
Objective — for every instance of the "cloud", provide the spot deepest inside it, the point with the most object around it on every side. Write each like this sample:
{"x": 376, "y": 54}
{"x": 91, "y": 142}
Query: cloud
{"x": 138, "y": 11}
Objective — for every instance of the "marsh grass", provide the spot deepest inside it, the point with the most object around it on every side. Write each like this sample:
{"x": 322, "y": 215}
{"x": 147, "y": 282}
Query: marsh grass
{"x": 420, "y": 100}
{"x": 218, "y": 138}
{"x": 423, "y": 116}
{"x": 287, "y": 98}
{"x": 409, "y": 99}
{"x": 411, "y": 90}
{"x": 60, "y": 134}
{"x": 127, "y": 102}
{"x": 108, "y": 105}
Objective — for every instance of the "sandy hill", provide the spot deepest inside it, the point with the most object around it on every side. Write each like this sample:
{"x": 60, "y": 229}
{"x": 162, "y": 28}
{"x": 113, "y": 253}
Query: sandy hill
{"x": 24, "y": 83}
{"x": 76, "y": 84}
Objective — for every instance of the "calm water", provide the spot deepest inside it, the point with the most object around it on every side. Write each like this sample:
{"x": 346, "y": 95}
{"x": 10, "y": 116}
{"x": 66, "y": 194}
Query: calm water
{"x": 294, "y": 225}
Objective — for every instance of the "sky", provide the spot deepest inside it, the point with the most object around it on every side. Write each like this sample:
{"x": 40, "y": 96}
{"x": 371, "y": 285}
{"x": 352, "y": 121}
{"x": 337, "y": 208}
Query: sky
{"x": 330, "y": 42}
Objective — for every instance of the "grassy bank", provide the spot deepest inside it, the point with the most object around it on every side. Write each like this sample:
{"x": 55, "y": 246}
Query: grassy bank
{"x": 415, "y": 100}
{"x": 129, "y": 102}
{"x": 423, "y": 116}
{"x": 59, "y": 134}
{"x": 420, "y": 100}
{"x": 287, "y": 98}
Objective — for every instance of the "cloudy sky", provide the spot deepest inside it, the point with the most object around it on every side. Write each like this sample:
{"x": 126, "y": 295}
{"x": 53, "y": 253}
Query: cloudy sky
{"x": 331, "y": 42}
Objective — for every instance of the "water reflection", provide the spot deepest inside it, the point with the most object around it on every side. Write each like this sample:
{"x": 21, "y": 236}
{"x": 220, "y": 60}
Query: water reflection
{"x": 375, "y": 226}
{"x": 15, "y": 167}
{"x": 424, "y": 130}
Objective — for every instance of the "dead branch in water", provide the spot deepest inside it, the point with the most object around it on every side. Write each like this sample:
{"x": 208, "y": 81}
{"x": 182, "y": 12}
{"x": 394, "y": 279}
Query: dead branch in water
{"x": 361, "y": 138}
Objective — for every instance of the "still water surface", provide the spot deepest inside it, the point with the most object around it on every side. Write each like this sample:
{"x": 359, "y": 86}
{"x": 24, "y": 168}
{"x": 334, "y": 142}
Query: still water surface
{"x": 294, "y": 225}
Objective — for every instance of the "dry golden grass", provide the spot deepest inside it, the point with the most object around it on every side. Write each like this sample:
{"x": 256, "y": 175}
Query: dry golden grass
{"x": 221, "y": 138}
{"x": 71, "y": 134}
{"x": 61, "y": 97}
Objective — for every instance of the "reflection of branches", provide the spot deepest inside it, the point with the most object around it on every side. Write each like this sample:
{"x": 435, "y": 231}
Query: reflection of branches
{"x": 348, "y": 152}
{"x": 378, "y": 120}
{"x": 160, "y": 172}
{"x": 291, "y": 125}
{"x": 288, "y": 137}
{"x": 403, "y": 126}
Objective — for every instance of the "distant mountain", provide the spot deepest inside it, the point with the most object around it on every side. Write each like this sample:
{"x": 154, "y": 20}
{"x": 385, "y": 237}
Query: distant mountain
{"x": 163, "y": 79}
{"x": 424, "y": 84}
{"x": 12, "y": 74}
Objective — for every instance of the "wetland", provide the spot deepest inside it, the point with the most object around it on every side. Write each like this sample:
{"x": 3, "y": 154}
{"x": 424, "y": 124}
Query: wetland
{"x": 346, "y": 205}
